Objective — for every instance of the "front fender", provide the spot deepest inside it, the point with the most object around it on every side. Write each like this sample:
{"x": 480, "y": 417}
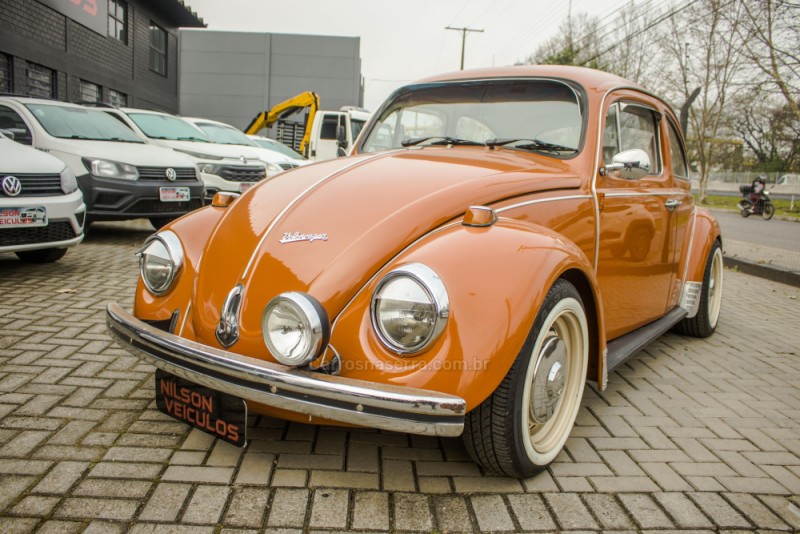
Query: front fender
{"x": 496, "y": 279}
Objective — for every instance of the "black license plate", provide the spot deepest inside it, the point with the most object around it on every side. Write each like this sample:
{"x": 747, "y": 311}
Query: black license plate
{"x": 219, "y": 414}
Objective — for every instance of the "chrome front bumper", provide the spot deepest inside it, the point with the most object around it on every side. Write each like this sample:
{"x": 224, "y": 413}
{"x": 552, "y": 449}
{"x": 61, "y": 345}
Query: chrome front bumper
{"x": 358, "y": 402}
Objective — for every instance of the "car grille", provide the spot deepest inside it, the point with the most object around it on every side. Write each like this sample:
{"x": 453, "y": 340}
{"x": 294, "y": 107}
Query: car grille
{"x": 37, "y": 185}
{"x": 54, "y": 231}
{"x": 160, "y": 173}
{"x": 287, "y": 166}
{"x": 156, "y": 206}
{"x": 238, "y": 173}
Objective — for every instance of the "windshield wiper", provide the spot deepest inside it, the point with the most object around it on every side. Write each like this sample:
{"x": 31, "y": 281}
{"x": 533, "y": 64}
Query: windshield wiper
{"x": 191, "y": 138}
{"x": 439, "y": 140}
{"x": 115, "y": 139}
{"x": 530, "y": 144}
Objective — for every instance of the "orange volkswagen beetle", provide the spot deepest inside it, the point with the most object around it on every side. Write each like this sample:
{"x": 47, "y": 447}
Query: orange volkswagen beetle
{"x": 495, "y": 239}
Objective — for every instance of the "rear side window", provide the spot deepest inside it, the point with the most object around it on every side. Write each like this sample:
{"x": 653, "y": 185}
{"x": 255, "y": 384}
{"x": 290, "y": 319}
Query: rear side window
{"x": 677, "y": 155}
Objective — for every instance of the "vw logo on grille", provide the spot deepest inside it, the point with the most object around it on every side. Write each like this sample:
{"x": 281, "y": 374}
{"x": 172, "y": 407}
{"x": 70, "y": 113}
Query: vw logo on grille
{"x": 243, "y": 159}
{"x": 171, "y": 174}
{"x": 11, "y": 186}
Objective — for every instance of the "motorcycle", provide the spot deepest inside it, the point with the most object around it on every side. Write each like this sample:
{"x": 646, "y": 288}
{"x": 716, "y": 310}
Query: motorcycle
{"x": 763, "y": 205}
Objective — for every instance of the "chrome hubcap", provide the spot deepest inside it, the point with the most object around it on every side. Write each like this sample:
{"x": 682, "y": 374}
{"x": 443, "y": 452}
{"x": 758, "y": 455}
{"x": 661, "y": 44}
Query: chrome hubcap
{"x": 548, "y": 379}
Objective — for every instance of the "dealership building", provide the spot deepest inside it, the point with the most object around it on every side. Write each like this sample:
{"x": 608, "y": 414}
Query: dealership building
{"x": 132, "y": 53}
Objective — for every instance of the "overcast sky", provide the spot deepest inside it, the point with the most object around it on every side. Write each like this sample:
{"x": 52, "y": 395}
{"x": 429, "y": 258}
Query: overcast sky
{"x": 403, "y": 41}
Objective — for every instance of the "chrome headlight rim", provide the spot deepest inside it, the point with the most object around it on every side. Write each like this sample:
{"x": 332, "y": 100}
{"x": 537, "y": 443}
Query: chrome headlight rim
{"x": 170, "y": 241}
{"x": 433, "y": 286}
{"x": 316, "y": 326}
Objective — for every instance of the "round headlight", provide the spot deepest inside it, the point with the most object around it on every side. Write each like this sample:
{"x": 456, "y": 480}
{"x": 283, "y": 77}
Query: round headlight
{"x": 295, "y": 328}
{"x": 160, "y": 261}
{"x": 410, "y": 308}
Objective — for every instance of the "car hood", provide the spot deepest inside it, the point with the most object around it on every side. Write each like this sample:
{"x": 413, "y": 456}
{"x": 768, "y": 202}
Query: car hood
{"x": 326, "y": 229}
{"x": 19, "y": 158}
{"x": 226, "y": 151}
{"x": 137, "y": 154}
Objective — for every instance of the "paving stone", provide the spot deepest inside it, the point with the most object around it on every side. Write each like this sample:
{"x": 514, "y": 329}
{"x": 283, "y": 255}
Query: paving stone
{"x": 531, "y": 512}
{"x": 182, "y": 473}
{"x": 96, "y": 508}
{"x": 397, "y": 475}
{"x": 452, "y": 514}
{"x": 126, "y": 470}
{"x": 289, "y": 477}
{"x": 491, "y": 513}
{"x": 645, "y": 511}
{"x": 682, "y": 510}
{"x": 608, "y": 511}
{"x": 35, "y": 506}
{"x": 721, "y": 513}
{"x": 329, "y": 509}
{"x": 206, "y": 505}
{"x": 61, "y": 477}
{"x": 255, "y": 468}
{"x": 412, "y": 512}
{"x": 370, "y": 510}
{"x": 335, "y": 479}
{"x": 570, "y": 512}
{"x": 96, "y": 487}
{"x": 756, "y": 512}
{"x": 432, "y": 485}
{"x": 248, "y": 505}
{"x": 165, "y": 503}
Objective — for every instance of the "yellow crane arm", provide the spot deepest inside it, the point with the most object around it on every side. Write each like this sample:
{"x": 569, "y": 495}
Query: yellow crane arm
{"x": 265, "y": 119}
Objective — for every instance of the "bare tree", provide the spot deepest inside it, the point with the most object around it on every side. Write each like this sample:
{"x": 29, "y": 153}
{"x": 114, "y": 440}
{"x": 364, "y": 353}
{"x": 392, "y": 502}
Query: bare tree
{"x": 770, "y": 34}
{"x": 575, "y": 43}
{"x": 698, "y": 47}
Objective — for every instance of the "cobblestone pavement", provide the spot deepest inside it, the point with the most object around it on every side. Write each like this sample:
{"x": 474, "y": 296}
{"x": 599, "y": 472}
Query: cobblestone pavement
{"x": 691, "y": 435}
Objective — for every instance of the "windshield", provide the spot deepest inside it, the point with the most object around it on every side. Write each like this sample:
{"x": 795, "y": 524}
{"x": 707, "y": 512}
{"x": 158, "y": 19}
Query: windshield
{"x": 69, "y": 122}
{"x": 156, "y": 126}
{"x": 537, "y": 115}
{"x": 277, "y": 147}
{"x": 224, "y": 134}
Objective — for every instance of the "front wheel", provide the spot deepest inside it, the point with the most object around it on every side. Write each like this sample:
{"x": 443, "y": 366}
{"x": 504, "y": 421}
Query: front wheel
{"x": 520, "y": 429}
{"x": 768, "y": 212}
{"x": 159, "y": 222}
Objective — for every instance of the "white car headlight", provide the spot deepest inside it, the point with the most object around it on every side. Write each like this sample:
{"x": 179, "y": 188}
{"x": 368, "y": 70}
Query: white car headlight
{"x": 272, "y": 169}
{"x": 111, "y": 169}
{"x": 68, "y": 182}
{"x": 295, "y": 328}
{"x": 410, "y": 308}
{"x": 160, "y": 261}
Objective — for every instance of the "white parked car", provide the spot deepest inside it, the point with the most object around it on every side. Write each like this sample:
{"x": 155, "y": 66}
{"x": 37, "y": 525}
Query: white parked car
{"x": 41, "y": 208}
{"x": 222, "y": 167}
{"x": 294, "y": 157}
{"x": 120, "y": 175}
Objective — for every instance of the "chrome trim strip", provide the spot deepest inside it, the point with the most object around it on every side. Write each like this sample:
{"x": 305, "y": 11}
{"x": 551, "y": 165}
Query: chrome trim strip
{"x": 335, "y": 398}
{"x": 185, "y": 317}
{"x": 653, "y": 194}
{"x": 540, "y": 200}
{"x": 297, "y": 199}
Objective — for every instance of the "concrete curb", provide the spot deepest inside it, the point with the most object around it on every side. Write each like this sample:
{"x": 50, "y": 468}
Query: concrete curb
{"x": 776, "y": 274}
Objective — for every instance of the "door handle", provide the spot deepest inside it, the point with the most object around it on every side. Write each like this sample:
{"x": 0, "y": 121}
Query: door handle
{"x": 672, "y": 203}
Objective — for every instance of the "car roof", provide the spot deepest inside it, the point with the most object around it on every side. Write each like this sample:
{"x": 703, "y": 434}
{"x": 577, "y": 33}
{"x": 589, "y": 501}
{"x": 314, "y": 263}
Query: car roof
{"x": 35, "y": 100}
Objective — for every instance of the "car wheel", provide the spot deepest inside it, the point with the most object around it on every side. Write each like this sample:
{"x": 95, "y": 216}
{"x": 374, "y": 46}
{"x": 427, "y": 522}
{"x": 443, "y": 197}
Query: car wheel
{"x": 158, "y": 222}
{"x": 520, "y": 429}
{"x": 705, "y": 322}
{"x": 769, "y": 211}
{"x": 45, "y": 255}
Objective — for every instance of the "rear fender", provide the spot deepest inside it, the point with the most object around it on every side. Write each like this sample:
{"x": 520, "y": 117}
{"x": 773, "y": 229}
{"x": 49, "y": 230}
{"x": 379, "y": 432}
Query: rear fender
{"x": 496, "y": 279}
{"x": 706, "y": 231}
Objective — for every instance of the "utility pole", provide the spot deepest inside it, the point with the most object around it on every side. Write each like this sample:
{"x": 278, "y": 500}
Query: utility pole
{"x": 463, "y": 39}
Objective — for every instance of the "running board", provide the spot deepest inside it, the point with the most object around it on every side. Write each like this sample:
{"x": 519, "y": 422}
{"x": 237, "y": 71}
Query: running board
{"x": 626, "y": 346}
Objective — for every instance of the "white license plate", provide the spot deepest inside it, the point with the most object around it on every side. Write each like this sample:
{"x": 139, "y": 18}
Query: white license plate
{"x": 245, "y": 186}
{"x": 23, "y": 217}
{"x": 174, "y": 194}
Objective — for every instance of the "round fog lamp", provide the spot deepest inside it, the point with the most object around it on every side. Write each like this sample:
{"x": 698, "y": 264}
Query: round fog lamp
{"x": 295, "y": 328}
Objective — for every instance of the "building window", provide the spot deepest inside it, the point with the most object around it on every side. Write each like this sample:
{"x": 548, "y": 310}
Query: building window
{"x": 5, "y": 74}
{"x": 158, "y": 49}
{"x": 90, "y": 92}
{"x": 41, "y": 81}
{"x": 115, "y": 98}
{"x": 118, "y": 20}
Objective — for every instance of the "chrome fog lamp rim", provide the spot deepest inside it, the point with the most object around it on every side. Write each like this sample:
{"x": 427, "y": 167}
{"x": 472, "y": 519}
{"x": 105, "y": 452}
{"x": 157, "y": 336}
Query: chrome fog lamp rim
{"x": 314, "y": 323}
{"x": 433, "y": 286}
{"x": 174, "y": 249}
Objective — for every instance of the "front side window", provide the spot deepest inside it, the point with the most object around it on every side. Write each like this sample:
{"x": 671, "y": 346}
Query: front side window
{"x": 544, "y": 116}
{"x": 158, "y": 49}
{"x": 13, "y": 123}
{"x": 330, "y": 123}
{"x": 41, "y": 81}
{"x": 68, "y": 122}
{"x": 118, "y": 20}
{"x": 156, "y": 126}
{"x": 90, "y": 92}
{"x": 631, "y": 126}
{"x": 5, "y": 74}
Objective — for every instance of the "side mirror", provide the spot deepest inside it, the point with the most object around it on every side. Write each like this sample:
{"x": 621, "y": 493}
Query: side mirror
{"x": 629, "y": 165}
{"x": 7, "y": 133}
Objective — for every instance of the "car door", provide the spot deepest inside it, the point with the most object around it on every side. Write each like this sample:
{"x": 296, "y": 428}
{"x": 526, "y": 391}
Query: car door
{"x": 635, "y": 258}
{"x": 682, "y": 216}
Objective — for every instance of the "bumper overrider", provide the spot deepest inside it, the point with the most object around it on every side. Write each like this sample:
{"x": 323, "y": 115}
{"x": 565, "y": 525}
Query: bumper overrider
{"x": 336, "y": 398}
